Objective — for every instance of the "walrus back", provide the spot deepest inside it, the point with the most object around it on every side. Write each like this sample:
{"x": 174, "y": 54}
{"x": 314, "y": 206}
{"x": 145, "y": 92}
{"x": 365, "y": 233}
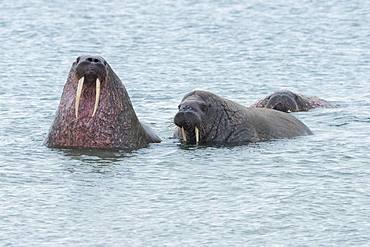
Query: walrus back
{"x": 273, "y": 124}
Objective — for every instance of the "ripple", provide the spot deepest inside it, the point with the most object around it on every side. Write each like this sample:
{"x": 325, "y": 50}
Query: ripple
{"x": 302, "y": 191}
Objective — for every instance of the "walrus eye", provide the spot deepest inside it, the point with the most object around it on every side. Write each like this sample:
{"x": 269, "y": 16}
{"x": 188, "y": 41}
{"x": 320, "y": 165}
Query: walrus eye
{"x": 203, "y": 107}
{"x": 296, "y": 97}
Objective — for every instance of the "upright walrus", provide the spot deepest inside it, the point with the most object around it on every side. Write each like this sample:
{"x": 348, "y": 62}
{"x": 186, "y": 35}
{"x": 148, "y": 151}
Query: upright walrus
{"x": 206, "y": 118}
{"x": 95, "y": 111}
{"x": 288, "y": 101}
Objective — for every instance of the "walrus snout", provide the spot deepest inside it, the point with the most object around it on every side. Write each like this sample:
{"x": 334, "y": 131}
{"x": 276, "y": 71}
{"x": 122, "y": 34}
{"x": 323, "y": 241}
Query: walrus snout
{"x": 187, "y": 120}
{"x": 282, "y": 102}
{"x": 91, "y": 68}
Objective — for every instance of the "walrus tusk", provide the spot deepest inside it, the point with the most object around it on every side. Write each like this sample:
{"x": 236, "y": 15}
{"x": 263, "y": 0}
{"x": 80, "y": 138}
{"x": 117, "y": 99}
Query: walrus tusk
{"x": 183, "y": 134}
{"x": 196, "y": 135}
{"x": 78, "y": 95}
{"x": 97, "y": 96}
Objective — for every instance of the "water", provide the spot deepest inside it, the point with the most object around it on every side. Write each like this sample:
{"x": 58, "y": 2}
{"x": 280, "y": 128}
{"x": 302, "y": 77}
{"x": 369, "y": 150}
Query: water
{"x": 306, "y": 191}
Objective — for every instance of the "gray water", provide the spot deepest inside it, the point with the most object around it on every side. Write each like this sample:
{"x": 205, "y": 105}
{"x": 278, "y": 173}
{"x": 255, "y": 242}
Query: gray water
{"x": 307, "y": 191}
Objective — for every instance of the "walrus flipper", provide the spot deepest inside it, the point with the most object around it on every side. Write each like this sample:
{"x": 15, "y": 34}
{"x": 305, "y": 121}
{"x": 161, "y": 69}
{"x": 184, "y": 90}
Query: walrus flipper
{"x": 154, "y": 138}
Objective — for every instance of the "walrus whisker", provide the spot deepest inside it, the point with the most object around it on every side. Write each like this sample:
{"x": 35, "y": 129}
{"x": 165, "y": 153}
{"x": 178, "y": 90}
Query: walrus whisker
{"x": 78, "y": 95}
{"x": 196, "y": 135}
{"x": 97, "y": 96}
{"x": 183, "y": 134}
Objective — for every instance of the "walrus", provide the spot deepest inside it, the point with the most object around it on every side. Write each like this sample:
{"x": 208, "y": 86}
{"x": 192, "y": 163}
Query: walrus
{"x": 206, "y": 118}
{"x": 95, "y": 111}
{"x": 288, "y": 101}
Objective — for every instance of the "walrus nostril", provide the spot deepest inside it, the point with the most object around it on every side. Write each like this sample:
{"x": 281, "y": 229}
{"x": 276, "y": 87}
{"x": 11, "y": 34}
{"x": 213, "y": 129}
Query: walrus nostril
{"x": 93, "y": 60}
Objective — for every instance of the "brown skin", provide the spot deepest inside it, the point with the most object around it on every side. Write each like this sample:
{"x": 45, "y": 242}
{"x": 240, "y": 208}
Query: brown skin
{"x": 221, "y": 121}
{"x": 115, "y": 124}
{"x": 288, "y": 101}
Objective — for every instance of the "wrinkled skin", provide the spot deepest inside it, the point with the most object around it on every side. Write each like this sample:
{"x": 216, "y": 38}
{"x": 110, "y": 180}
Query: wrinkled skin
{"x": 287, "y": 101}
{"x": 114, "y": 125}
{"x": 222, "y": 121}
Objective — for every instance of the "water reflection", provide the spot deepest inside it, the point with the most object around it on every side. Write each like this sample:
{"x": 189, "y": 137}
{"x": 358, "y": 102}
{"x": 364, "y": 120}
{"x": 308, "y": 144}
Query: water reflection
{"x": 95, "y": 155}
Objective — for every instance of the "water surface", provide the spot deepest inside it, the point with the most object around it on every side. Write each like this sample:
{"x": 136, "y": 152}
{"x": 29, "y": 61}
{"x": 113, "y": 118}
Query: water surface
{"x": 305, "y": 191}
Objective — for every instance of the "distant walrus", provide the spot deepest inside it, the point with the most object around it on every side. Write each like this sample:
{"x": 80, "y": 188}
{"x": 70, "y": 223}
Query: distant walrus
{"x": 95, "y": 111}
{"x": 287, "y": 101}
{"x": 206, "y": 118}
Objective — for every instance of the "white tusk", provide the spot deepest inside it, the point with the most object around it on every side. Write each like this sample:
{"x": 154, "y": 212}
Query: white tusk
{"x": 78, "y": 95}
{"x": 183, "y": 134}
{"x": 196, "y": 135}
{"x": 97, "y": 96}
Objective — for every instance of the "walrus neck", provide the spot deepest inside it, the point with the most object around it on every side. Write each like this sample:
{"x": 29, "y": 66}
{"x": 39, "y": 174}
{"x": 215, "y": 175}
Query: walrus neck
{"x": 222, "y": 123}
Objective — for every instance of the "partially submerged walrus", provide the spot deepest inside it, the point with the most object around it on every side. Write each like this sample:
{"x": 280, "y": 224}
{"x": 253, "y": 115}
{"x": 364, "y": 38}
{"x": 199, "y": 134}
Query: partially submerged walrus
{"x": 288, "y": 101}
{"x": 95, "y": 111}
{"x": 205, "y": 118}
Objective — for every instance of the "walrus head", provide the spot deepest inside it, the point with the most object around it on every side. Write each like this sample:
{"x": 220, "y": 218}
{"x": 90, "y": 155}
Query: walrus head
{"x": 285, "y": 101}
{"x": 95, "y": 110}
{"x": 202, "y": 118}
{"x": 189, "y": 118}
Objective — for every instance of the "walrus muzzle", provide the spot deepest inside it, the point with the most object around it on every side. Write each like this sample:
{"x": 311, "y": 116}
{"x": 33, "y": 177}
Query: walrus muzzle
{"x": 89, "y": 71}
{"x": 189, "y": 123}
